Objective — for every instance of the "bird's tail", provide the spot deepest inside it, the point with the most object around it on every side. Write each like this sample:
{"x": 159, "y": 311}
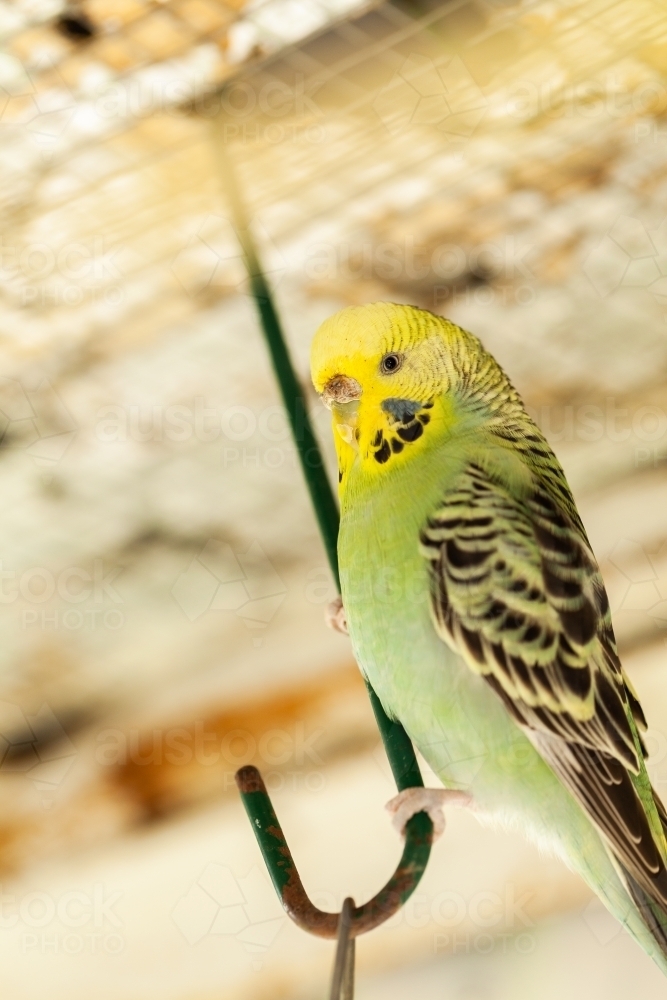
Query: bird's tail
{"x": 651, "y": 906}
{"x": 652, "y": 913}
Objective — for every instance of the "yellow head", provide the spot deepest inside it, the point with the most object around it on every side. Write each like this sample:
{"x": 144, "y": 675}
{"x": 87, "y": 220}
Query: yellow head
{"x": 385, "y": 371}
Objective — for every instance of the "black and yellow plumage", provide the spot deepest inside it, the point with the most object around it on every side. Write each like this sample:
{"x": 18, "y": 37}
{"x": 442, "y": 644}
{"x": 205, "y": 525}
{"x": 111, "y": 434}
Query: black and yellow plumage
{"x": 499, "y": 629}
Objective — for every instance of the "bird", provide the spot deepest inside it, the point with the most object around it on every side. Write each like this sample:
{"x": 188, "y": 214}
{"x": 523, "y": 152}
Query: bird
{"x": 476, "y": 607}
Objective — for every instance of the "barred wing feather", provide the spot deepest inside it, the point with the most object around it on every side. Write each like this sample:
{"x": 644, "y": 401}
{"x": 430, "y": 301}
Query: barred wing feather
{"x": 516, "y": 591}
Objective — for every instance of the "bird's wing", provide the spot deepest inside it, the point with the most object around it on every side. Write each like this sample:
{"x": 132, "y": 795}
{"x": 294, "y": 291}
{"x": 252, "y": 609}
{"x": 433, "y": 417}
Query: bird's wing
{"x": 516, "y": 591}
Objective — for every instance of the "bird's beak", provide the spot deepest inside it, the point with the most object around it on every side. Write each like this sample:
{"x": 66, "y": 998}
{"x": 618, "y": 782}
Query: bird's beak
{"x": 341, "y": 395}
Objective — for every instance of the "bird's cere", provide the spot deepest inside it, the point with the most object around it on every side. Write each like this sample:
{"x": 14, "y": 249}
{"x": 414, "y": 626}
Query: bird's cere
{"x": 339, "y": 390}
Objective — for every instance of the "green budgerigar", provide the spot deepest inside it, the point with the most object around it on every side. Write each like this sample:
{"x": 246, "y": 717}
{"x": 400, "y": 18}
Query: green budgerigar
{"x": 476, "y": 607}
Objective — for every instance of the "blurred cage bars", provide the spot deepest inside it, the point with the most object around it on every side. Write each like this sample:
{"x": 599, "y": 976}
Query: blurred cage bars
{"x": 396, "y": 100}
{"x": 89, "y": 126}
{"x": 408, "y": 108}
{"x": 380, "y": 111}
{"x": 412, "y": 122}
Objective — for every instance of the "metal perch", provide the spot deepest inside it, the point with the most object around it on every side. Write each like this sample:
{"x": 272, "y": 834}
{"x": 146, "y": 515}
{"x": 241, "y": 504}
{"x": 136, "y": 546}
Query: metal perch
{"x": 353, "y": 920}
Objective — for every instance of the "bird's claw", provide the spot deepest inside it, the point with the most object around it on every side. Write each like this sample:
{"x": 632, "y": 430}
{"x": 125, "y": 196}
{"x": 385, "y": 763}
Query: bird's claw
{"x": 411, "y": 801}
{"x": 335, "y": 617}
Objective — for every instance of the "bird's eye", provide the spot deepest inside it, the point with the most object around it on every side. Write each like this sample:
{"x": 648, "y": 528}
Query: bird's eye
{"x": 390, "y": 363}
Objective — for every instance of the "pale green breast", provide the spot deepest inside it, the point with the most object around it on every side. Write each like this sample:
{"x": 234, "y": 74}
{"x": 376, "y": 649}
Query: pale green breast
{"x": 452, "y": 715}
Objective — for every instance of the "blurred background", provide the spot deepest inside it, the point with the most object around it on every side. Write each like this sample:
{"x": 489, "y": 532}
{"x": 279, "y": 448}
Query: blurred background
{"x": 162, "y": 580}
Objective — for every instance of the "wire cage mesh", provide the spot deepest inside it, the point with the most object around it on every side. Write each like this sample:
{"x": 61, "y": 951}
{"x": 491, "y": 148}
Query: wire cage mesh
{"x": 501, "y": 163}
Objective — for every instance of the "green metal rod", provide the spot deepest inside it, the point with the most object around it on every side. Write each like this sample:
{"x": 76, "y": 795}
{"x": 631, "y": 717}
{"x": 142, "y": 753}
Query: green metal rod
{"x": 310, "y": 456}
{"x": 326, "y": 509}
{"x": 399, "y": 749}
{"x": 418, "y": 832}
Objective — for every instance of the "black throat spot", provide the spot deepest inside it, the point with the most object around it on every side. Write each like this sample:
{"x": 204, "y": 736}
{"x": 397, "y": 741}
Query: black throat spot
{"x": 407, "y": 419}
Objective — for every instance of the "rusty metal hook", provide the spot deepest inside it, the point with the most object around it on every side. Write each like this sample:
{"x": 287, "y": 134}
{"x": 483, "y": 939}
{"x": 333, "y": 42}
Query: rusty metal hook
{"x": 286, "y": 879}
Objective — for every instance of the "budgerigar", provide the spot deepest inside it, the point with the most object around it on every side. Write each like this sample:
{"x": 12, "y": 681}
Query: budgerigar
{"x": 475, "y": 605}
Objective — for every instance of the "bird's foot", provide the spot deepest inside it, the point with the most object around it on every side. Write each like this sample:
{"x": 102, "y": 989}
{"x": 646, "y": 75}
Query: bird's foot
{"x": 334, "y": 616}
{"x": 409, "y": 802}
